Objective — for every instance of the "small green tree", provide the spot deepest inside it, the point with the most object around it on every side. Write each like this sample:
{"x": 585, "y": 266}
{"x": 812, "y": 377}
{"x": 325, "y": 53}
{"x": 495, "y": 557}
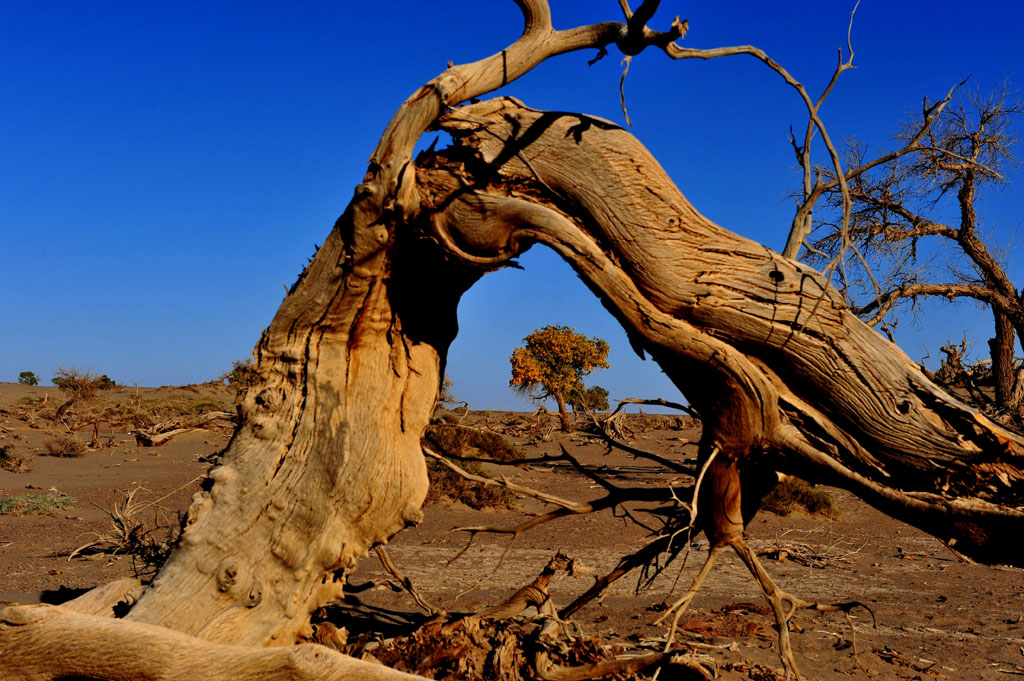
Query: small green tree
{"x": 241, "y": 376}
{"x": 28, "y": 378}
{"x": 594, "y": 398}
{"x": 552, "y": 364}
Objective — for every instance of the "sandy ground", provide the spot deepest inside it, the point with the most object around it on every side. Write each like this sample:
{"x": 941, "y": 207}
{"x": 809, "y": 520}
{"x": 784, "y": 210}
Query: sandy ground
{"x": 936, "y": 617}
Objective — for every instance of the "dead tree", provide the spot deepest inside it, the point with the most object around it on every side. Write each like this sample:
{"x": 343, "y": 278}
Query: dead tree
{"x": 958, "y": 148}
{"x": 326, "y": 460}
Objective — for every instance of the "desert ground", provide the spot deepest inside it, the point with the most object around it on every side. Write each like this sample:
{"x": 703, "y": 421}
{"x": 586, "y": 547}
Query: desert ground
{"x": 935, "y": 616}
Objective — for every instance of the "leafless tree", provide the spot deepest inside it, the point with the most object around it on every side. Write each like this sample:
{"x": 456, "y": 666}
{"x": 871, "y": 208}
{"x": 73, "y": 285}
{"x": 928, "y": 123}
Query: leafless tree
{"x": 326, "y": 461}
{"x": 947, "y": 158}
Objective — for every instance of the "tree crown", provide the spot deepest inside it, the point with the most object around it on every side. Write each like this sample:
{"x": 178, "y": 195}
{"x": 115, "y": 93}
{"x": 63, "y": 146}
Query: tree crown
{"x": 554, "y": 361}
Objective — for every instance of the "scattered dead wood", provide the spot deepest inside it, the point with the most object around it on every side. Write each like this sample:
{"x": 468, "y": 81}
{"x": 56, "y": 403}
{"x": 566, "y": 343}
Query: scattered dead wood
{"x": 148, "y": 542}
{"x": 503, "y": 643}
{"x": 162, "y": 433}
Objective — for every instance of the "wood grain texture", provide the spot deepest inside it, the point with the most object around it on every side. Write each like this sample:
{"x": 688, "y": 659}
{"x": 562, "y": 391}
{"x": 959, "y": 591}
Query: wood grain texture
{"x": 763, "y": 346}
{"x": 45, "y": 642}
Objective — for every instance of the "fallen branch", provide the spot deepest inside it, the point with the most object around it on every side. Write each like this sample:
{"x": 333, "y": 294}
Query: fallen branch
{"x": 660, "y": 402}
{"x": 406, "y": 583}
{"x": 162, "y": 433}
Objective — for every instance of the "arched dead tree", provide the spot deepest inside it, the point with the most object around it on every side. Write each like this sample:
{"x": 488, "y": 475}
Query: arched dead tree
{"x": 326, "y": 461}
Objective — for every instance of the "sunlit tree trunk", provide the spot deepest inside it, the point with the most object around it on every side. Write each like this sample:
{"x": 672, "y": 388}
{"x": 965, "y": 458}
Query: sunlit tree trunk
{"x": 326, "y": 461}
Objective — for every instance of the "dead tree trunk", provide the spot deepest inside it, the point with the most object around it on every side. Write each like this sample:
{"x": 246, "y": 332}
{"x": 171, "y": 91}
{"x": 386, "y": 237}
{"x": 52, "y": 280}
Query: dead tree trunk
{"x": 326, "y": 460}
{"x": 765, "y": 349}
{"x": 1002, "y": 351}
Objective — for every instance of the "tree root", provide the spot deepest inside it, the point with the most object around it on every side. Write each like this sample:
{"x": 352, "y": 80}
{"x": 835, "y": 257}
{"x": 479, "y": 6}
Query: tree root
{"x": 45, "y": 642}
{"x": 783, "y": 604}
{"x": 406, "y": 583}
{"x": 105, "y": 599}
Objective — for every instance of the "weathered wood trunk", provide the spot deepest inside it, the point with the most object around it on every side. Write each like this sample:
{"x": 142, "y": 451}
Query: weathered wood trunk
{"x": 327, "y": 460}
{"x": 1001, "y": 348}
{"x": 765, "y": 349}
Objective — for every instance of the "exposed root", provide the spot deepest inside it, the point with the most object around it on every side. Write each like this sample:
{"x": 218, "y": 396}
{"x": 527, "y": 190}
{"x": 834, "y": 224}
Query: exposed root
{"x": 511, "y": 486}
{"x": 502, "y": 643}
{"x": 784, "y": 605}
{"x": 680, "y": 605}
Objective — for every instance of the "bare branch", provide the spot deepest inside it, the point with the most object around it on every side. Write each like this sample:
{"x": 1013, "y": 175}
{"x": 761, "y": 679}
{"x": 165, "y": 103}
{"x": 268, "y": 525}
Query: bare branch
{"x": 511, "y": 486}
{"x": 659, "y": 402}
{"x": 406, "y": 583}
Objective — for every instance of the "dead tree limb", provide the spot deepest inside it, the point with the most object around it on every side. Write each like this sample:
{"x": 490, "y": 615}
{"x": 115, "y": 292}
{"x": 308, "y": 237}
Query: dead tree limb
{"x": 786, "y": 373}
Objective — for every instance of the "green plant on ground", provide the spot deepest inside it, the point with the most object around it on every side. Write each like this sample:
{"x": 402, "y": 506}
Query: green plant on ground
{"x": 793, "y": 493}
{"x": 241, "y": 376}
{"x": 594, "y": 398}
{"x": 462, "y": 441}
{"x": 34, "y": 504}
{"x": 64, "y": 446}
{"x": 204, "y": 406}
{"x": 13, "y": 461}
{"x": 28, "y": 378}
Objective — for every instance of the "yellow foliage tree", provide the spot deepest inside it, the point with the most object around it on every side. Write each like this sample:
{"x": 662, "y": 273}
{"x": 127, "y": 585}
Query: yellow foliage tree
{"x": 553, "y": 362}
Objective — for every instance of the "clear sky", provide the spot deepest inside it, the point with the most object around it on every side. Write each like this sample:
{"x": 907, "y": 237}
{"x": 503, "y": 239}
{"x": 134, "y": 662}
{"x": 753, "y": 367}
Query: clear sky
{"x": 167, "y": 167}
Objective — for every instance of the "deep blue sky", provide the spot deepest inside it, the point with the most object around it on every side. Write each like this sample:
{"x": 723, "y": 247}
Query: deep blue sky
{"x": 167, "y": 167}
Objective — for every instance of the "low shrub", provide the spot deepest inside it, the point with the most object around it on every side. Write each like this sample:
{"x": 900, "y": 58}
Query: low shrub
{"x": 64, "y": 446}
{"x": 794, "y": 494}
{"x": 13, "y": 461}
{"x": 241, "y": 376}
{"x": 446, "y": 484}
{"x": 461, "y": 441}
{"x": 457, "y": 440}
{"x": 204, "y": 406}
{"x": 133, "y": 533}
{"x": 80, "y": 384}
{"x": 34, "y": 504}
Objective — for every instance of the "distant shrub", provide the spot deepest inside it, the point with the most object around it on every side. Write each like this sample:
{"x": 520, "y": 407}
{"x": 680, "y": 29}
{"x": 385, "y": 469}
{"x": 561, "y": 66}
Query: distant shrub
{"x": 793, "y": 493}
{"x": 64, "y": 446}
{"x": 241, "y": 376}
{"x": 203, "y": 406}
{"x": 471, "y": 442}
{"x": 28, "y": 378}
{"x": 455, "y": 440}
{"x": 80, "y": 384}
{"x": 104, "y": 382}
{"x": 14, "y": 462}
{"x": 594, "y": 398}
{"x": 34, "y": 504}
